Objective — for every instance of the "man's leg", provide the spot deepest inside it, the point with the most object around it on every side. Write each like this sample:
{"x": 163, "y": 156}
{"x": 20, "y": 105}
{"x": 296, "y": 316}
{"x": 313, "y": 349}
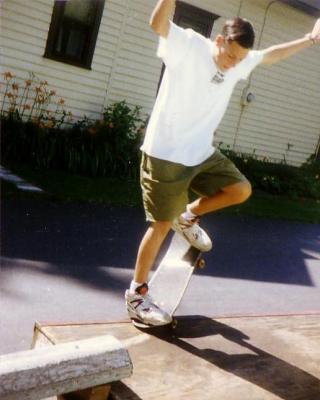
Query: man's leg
{"x": 229, "y": 195}
{"x": 141, "y": 308}
{"x": 187, "y": 223}
{"x": 149, "y": 249}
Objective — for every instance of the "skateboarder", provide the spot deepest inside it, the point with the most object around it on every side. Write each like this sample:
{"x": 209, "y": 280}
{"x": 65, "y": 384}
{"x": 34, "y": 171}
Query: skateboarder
{"x": 177, "y": 153}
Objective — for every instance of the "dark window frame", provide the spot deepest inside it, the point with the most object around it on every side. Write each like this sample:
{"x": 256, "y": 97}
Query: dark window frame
{"x": 194, "y": 14}
{"x": 91, "y": 33}
{"x": 184, "y": 10}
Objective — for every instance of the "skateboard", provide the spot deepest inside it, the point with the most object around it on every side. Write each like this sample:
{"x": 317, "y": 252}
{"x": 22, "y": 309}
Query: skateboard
{"x": 170, "y": 281}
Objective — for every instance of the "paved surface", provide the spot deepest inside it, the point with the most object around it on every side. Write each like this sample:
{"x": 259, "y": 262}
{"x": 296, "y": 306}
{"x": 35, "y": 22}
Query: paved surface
{"x": 256, "y": 358}
{"x": 68, "y": 262}
{"x": 19, "y": 182}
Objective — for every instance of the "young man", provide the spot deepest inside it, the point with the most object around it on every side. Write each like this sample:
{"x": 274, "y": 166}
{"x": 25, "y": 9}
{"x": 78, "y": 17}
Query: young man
{"x": 178, "y": 153}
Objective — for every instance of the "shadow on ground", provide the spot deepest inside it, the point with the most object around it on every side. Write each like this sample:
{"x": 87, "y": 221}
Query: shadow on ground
{"x": 83, "y": 241}
{"x": 259, "y": 368}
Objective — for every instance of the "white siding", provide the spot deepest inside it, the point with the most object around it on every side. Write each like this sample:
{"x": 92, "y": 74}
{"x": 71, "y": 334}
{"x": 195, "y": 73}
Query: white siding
{"x": 25, "y": 26}
{"x": 285, "y": 113}
{"x": 283, "y": 121}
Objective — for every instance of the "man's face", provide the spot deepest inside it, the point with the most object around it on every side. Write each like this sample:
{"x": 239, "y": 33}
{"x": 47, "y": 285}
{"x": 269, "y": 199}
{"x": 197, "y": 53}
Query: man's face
{"x": 229, "y": 53}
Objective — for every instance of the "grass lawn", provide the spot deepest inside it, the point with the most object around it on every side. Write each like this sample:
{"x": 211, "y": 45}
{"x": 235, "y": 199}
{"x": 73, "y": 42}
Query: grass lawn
{"x": 61, "y": 186}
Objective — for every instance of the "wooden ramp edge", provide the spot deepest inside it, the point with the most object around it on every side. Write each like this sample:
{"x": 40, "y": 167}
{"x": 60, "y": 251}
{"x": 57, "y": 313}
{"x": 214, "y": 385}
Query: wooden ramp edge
{"x": 255, "y": 357}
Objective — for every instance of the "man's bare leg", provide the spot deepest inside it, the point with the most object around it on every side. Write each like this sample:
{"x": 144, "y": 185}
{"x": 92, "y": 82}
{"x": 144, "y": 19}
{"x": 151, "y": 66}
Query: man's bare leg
{"x": 157, "y": 232}
{"x": 149, "y": 248}
{"x": 140, "y": 307}
{"x": 228, "y": 196}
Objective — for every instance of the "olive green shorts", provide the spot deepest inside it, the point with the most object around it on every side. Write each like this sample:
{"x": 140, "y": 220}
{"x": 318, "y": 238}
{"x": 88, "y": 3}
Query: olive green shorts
{"x": 165, "y": 185}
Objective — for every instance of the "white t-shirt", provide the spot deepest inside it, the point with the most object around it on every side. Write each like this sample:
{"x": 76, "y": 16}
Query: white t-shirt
{"x": 192, "y": 98}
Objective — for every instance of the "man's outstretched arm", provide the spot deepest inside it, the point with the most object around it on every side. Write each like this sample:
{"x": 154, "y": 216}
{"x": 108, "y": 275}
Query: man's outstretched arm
{"x": 159, "y": 20}
{"x": 282, "y": 51}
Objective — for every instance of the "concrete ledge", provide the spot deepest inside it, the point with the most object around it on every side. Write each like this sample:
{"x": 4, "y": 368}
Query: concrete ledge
{"x": 63, "y": 368}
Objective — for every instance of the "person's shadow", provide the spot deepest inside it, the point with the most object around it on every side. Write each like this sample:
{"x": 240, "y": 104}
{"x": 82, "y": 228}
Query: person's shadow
{"x": 284, "y": 380}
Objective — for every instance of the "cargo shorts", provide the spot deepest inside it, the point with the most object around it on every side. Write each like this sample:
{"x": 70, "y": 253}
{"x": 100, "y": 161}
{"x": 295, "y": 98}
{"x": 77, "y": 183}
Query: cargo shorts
{"x": 166, "y": 185}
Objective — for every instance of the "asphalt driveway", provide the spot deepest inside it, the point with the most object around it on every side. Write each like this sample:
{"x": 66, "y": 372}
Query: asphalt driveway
{"x": 73, "y": 262}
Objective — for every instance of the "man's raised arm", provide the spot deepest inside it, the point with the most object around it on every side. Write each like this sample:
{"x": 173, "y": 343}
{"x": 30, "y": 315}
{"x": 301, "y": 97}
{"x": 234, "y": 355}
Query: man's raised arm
{"x": 159, "y": 20}
{"x": 280, "y": 52}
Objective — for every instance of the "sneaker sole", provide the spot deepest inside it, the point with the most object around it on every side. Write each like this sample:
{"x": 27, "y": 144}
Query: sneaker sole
{"x": 140, "y": 324}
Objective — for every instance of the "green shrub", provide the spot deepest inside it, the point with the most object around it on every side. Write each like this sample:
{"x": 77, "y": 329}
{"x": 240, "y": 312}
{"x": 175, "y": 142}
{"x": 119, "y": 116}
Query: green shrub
{"x": 279, "y": 178}
{"x": 109, "y": 147}
{"x": 31, "y": 118}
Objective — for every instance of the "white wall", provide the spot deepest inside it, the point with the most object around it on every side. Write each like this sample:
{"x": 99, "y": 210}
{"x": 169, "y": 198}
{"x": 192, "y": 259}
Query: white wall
{"x": 286, "y": 111}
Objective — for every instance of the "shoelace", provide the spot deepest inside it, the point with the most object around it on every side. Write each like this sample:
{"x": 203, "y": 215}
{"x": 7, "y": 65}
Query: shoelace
{"x": 196, "y": 220}
{"x": 189, "y": 222}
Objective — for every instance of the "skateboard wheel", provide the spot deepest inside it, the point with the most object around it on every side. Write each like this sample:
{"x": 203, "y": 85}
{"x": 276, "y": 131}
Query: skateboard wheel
{"x": 201, "y": 263}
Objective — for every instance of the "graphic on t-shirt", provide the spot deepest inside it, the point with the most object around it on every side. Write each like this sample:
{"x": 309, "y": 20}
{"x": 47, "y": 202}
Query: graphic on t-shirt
{"x": 218, "y": 77}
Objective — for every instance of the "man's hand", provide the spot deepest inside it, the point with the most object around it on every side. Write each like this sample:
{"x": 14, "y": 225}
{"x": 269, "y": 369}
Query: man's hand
{"x": 159, "y": 20}
{"x": 315, "y": 34}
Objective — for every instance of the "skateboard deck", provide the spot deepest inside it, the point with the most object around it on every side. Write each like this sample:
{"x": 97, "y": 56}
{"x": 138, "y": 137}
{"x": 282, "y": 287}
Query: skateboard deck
{"x": 170, "y": 281}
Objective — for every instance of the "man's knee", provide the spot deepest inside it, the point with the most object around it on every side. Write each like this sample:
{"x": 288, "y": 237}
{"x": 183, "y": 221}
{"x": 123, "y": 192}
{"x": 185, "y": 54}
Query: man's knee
{"x": 239, "y": 192}
{"x": 161, "y": 227}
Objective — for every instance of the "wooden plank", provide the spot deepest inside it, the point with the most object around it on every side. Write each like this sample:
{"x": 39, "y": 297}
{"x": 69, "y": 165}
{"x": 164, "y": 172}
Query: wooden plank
{"x": 45, "y": 371}
{"x": 258, "y": 357}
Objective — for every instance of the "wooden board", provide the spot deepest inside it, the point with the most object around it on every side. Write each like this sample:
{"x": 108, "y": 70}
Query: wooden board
{"x": 63, "y": 368}
{"x": 265, "y": 358}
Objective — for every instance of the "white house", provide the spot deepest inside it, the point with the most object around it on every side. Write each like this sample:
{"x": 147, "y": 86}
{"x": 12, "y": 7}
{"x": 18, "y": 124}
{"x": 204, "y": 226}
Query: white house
{"x": 94, "y": 52}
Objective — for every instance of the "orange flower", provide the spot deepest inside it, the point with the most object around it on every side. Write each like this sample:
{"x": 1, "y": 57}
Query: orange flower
{"x": 15, "y": 86}
{"x": 27, "y": 107}
{"x": 61, "y": 101}
{"x": 52, "y": 93}
{"x": 92, "y": 131}
{"x": 9, "y": 95}
{"x": 43, "y": 83}
{"x": 7, "y": 75}
{"x": 28, "y": 82}
{"x": 38, "y": 89}
{"x": 50, "y": 124}
{"x": 40, "y": 99}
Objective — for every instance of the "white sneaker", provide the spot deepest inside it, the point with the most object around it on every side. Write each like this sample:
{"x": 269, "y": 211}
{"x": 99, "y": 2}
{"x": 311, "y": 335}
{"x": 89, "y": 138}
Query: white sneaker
{"x": 191, "y": 230}
{"x": 143, "y": 311}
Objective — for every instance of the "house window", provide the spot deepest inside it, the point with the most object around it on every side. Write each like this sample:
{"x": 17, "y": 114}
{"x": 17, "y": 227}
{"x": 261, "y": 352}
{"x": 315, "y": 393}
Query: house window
{"x": 73, "y": 31}
{"x": 188, "y": 16}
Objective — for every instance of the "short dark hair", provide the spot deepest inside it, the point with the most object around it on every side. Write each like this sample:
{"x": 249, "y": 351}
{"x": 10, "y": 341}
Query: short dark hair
{"x": 239, "y": 30}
